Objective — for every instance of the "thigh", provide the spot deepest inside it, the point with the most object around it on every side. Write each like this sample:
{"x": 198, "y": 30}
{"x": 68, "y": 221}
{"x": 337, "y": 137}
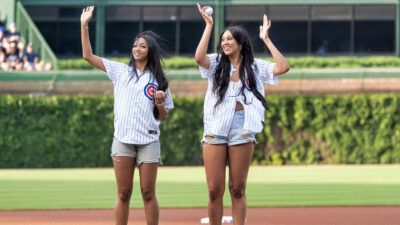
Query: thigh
{"x": 215, "y": 156}
{"x": 124, "y": 161}
{"x": 148, "y": 176}
{"x": 124, "y": 168}
{"x": 148, "y": 158}
{"x": 239, "y": 162}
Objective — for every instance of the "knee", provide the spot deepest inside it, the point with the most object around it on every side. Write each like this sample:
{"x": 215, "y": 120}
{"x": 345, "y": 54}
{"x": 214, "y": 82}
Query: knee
{"x": 125, "y": 194}
{"x": 148, "y": 195}
{"x": 215, "y": 193}
{"x": 237, "y": 191}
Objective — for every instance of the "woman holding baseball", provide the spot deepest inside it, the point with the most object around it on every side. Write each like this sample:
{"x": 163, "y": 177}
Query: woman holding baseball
{"x": 233, "y": 110}
{"x": 141, "y": 99}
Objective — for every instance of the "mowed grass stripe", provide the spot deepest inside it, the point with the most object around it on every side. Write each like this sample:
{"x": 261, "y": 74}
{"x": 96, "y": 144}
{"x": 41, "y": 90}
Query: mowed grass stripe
{"x": 186, "y": 187}
{"x": 288, "y": 174}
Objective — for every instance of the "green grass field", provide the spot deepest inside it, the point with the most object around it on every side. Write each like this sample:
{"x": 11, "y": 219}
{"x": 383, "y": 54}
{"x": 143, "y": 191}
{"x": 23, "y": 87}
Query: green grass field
{"x": 186, "y": 187}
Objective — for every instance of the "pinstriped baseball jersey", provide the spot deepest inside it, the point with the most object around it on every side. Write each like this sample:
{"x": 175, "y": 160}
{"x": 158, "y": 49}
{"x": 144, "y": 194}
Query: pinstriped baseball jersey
{"x": 217, "y": 120}
{"x": 134, "y": 122}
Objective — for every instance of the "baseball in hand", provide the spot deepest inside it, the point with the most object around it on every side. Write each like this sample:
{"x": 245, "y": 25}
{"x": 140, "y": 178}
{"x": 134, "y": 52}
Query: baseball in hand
{"x": 209, "y": 11}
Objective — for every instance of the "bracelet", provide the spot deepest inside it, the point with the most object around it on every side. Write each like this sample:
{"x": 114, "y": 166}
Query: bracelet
{"x": 86, "y": 27}
{"x": 159, "y": 103}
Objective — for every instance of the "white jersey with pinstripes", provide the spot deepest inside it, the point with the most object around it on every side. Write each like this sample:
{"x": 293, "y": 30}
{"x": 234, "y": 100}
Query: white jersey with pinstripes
{"x": 218, "y": 120}
{"x": 134, "y": 122}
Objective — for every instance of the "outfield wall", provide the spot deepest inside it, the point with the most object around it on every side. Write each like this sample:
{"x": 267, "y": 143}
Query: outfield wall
{"x": 189, "y": 82}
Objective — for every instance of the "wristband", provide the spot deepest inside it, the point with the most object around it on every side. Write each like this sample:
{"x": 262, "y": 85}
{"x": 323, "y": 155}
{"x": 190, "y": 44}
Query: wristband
{"x": 86, "y": 27}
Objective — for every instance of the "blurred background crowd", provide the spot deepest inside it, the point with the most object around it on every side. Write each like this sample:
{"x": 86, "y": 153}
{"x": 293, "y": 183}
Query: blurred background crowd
{"x": 17, "y": 55}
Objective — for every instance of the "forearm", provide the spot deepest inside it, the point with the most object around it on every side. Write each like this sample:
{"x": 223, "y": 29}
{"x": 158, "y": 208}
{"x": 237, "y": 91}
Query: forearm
{"x": 86, "y": 47}
{"x": 95, "y": 60}
{"x": 201, "y": 50}
{"x": 281, "y": 65}
{"x": 162, "y": 111}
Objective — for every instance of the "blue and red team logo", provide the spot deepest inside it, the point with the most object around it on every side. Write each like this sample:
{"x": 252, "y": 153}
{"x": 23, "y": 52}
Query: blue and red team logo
{"x": 247, "y": 84}
{"x": 149, "y": 90}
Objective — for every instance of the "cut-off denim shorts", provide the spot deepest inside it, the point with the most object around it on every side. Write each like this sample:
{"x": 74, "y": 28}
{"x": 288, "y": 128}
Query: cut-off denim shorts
{"x": 148, "y": 153}
{"x": 236, "y": 136}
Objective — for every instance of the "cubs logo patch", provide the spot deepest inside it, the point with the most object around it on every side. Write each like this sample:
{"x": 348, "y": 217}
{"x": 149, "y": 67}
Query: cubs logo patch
{"x": 149, "y": 90}
{"x": 247, "y": 84}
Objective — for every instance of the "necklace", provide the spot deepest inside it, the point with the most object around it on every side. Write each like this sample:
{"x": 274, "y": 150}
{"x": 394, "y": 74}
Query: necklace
{"x": 234, "y": 67}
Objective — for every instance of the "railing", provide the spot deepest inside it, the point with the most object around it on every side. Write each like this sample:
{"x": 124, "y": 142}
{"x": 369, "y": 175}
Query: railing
{"x": 30, "y": 33}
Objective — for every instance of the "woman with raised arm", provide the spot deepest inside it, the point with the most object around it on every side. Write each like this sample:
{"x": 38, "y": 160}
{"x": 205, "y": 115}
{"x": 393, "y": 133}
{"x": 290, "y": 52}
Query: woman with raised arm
{"x": 233, "y": 110}
{"x": 141, "y": 99}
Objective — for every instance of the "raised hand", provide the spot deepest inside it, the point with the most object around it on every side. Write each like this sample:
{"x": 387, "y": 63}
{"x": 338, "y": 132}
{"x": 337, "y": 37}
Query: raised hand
{"x": 86, "y": 15}
{"x": 264, "y": 28}
{"x": 206, "y": 17}
{"x": 160, "y": 97}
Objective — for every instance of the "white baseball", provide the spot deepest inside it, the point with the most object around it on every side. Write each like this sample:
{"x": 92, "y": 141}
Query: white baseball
{"x": 209, "y": 11}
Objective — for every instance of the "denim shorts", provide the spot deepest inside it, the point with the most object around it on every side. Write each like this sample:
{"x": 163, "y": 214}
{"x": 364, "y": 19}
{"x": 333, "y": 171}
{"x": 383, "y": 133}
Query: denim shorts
{"x": 149, "y": 153}
{"x": 236, "y": 136}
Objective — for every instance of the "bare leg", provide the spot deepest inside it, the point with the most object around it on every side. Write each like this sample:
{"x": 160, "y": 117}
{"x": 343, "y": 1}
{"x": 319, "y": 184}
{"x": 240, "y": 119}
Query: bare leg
{"x": 124, "y": 168}
{"x": 214, "y": 157}
{"x": 239, "y": 163}
{"x": 148, "y": 176}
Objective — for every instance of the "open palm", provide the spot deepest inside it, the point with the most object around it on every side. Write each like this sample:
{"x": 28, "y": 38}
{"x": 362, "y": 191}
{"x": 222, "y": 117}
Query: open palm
{"x": 87, "y": 14}
{"x": 264, "y": 28}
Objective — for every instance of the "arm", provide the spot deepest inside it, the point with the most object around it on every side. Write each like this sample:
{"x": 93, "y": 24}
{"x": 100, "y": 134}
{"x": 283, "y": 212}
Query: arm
{"x": 160, "y": 98}
{"x": 96, "y": 61}
{"x": 201, "y": 51}
{"x": 281, "y": 65}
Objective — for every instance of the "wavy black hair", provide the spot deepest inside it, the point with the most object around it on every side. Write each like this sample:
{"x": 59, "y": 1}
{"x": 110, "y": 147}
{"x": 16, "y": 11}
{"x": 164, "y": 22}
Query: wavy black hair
{"x": 154, "y": 62}
{"x": 222, "y": 73}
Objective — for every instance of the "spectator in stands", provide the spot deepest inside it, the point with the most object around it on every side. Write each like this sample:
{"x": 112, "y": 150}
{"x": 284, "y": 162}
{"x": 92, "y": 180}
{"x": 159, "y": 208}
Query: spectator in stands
{"x": 14, "y": 56}
{"x": 12, "y": 60}
{"x": 30, "y": 58}
{"x": 12, "y": 34}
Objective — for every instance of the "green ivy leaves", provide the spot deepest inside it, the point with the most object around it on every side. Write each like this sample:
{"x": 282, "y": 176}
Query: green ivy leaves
{"x": 77, "y": 131}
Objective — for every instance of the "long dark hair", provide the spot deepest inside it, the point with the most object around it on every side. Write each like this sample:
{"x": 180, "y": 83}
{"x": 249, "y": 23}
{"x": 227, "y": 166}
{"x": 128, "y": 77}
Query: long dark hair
{"x": 222, "y": 73}
{"x": 153, "y": 63}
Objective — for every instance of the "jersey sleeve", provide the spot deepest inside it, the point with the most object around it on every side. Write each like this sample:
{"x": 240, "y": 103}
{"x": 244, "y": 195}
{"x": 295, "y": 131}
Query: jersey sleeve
{"x": 266, "y": 72}
{"x": 114, "y": 70}
{"x": 207, "y": 73}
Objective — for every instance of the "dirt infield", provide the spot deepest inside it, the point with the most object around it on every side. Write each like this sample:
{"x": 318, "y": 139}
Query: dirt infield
{"x": 255, "y": 216}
